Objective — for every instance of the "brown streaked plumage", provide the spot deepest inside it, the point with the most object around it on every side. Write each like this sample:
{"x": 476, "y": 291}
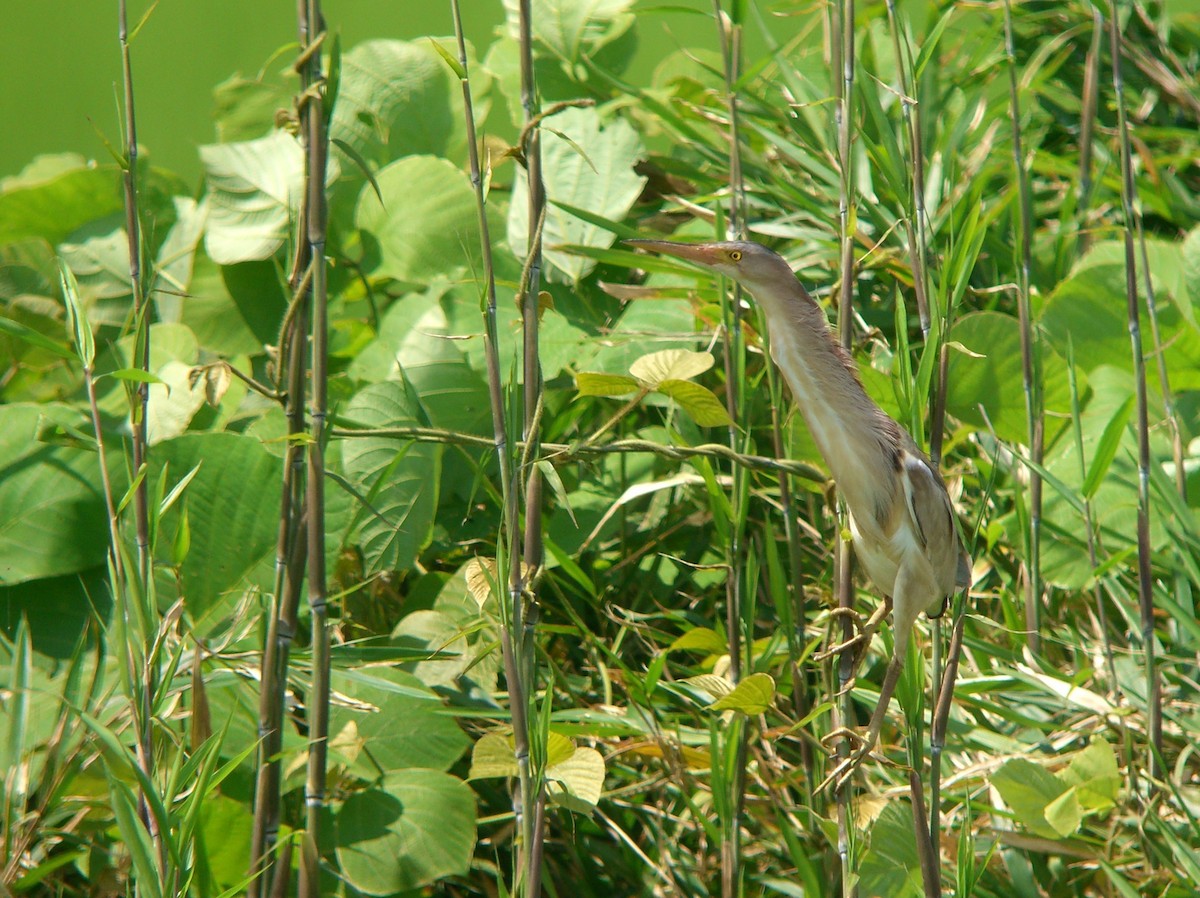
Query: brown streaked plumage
{"x": 901, "y": 518}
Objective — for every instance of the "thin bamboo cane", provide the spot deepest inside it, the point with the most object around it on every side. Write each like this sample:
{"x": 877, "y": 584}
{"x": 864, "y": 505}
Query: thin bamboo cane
{"x": 1030, "y": 363}
{"x": 1145, "y": 583}
{"x": 290, "y": 561}
{"x": 313, "y": 122}
{"x": 729, "y": 33}
{"x": 138, "y": 409}
{"x": 520, "y": 655}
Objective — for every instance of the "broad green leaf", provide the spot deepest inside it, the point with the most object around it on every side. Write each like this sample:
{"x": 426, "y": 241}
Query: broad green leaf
{"x": 427, "y": 226}
{"x": 441, "y": 634}
{"x": 592, "y": 383}
{"x": 1064, "y": 813}
{"x": 604, "y": 183}
{"x": 699, "y": 402}
{"x": 244, "y": 109}
{"x": 415, "y": 827}
{"x": 398, "y": 479}
{"x": 892, "y": 866}
{"x": 52, "y": 515}
{"x": 57, "y": 195}
{"x": 100, "y": 261}
{"x": 1028, "y": 788}
{"x": 493, "y": 756}
{"x": 990, "y": 377}
{"x": 232, "y": 513}
{"x": 396, "y": 98}
{"x": 569, "y": 28}
{"x": 670, "y": 364}
{"x": 169, "y": 288}
{"x": 702, "y": 638}
{"x": 753, "y": 695}
{"x": 1191, "y": 273}
{"x": 403, "y": 731}
{"x": 1095, "y": 775}
{"x": 225, "y": 826}
{"x": 254, "y": 191}
{"x": 235, "y": 309}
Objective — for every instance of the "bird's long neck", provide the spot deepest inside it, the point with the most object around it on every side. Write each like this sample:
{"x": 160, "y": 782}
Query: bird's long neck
{"x": 859, "y": 442}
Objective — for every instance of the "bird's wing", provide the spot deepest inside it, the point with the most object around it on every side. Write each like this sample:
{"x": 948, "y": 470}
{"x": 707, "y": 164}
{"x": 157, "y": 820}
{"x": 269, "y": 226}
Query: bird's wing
{"x": 932, "y": 517}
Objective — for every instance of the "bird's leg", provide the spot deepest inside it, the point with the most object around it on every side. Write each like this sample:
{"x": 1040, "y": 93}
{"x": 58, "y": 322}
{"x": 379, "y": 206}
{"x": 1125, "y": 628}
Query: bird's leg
{"x": 912, "y": 580}
{"x": 865, "y": 744}
{"x": 865, "y": 631}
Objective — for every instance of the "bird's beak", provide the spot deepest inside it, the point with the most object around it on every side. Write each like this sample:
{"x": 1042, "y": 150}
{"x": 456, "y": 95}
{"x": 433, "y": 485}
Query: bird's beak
{"x": 698, "y": 253}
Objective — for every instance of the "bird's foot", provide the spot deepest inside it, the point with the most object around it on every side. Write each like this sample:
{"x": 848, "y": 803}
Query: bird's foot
{"x": 865, "y": 748}
{"x": 863, "y": 635}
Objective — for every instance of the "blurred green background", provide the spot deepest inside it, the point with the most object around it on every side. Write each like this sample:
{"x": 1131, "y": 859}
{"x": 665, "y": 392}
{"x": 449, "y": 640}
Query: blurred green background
{"x": 63, "y": 73}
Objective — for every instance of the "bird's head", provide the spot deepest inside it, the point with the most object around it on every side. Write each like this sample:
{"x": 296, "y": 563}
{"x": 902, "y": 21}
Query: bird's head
{"x": 761, "y": 271}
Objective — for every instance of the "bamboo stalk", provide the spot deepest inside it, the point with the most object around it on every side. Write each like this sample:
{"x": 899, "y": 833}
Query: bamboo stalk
{"x": 1030, "y": 362}
{"x": 313, "y": 123}
{"x": 729, "y": 33}
{"x": 1145, "y": 583}
{"x": 143, "y": 711}
{"x": 520, "y": 664}
{"x": 843, "y": 59}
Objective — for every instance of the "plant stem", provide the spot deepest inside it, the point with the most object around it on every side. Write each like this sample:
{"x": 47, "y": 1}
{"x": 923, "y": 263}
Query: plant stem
{"x": 313, "y": 124}
{"x": 1145, "y": 583}
{"x": 1030, "y": 362}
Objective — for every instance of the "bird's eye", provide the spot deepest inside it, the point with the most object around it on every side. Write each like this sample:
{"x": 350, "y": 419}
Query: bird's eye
{"x": 735, "y": 255}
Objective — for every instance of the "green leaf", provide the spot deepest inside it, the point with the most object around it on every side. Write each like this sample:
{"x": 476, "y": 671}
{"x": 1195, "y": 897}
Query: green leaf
{"x": 254, "y": 191}
{"x": 892, "y": 866}
{"x": 701, "y": 638}
{"x": 396, "y": 98}
{"x": 136, "y": 375}
{"x": 77, "y": 321}
{"x": 450, "y": 59}
{"x": 52, "y": 514}
{"x": 232, "y": 513}
{"x": 591, "y": 383}
{"x": 55, "y": 196}
{"x": 699, "y": 402}
{"x": 1106, "y": 449}
{"x": 569, "y": 28}
{"x": 415, "y": 827}
{"x": 1095, "y": 775}
{"x": 404, "y": 730}
{"x": 604, "y": 183}
{"x": 990, "y": 376}
{"x": 1028, "y": 788}
{"x": 399, "y": 479}
{"x": 670, "y": 364}
{"x": 1064, "y": 813}
{"x": 35, "y": 338}
{"x": 753, "y": 695}
{"x": 426, "y": 225}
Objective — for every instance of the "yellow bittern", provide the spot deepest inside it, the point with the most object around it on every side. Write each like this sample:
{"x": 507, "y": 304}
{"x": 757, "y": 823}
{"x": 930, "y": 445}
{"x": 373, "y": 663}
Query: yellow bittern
{"x": 901, "y": 519}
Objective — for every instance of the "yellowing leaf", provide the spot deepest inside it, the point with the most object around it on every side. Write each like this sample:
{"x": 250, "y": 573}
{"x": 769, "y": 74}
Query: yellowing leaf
{"x": 699, "y": 402}
{"x": 753, "y": 695}
{"x": 591, "y": 383}
{"x": 717, "y": 687}
{"x": 670, "y": 364}
{"x": 701, "y": 638}
{"x": 579, "y": 777}
{"x": 492, "y": 756}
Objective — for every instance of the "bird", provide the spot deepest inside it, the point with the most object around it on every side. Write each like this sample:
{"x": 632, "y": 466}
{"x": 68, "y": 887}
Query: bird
{"x": 902, "y": 522}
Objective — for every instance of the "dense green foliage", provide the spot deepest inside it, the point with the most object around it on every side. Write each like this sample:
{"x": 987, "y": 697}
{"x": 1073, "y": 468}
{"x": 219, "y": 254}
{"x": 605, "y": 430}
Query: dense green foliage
{"x": 1047, "y": 786}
